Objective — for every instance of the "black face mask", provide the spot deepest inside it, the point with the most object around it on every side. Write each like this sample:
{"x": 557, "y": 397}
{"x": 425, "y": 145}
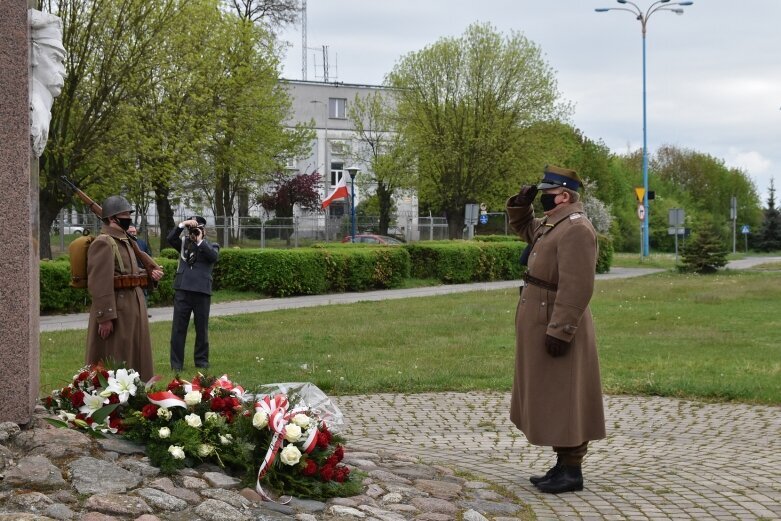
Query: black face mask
{"x": 548, "y": 201}
{"x": 124, "y": 222}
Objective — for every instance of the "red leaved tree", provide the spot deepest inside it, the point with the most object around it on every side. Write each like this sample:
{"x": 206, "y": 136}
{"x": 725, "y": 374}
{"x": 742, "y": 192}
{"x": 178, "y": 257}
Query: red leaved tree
{"x": 287, "y": 190}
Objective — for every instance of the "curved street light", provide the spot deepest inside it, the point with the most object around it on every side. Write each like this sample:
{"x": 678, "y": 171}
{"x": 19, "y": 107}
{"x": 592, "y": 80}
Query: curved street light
{"x": 642, "y": 17}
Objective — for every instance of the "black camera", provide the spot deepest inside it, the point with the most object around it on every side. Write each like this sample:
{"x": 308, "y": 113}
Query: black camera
{"x": 195, "y": 232}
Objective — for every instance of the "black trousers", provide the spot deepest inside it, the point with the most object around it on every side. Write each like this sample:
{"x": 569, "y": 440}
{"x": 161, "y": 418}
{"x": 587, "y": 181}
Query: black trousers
{"x": 185, "y": 303}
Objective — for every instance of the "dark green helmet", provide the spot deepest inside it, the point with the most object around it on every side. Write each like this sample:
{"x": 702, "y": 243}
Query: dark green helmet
{"x": 115, "y": 204}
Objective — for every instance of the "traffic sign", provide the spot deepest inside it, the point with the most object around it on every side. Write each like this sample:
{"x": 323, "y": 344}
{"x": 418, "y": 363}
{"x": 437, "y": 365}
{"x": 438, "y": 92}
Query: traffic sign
{"x": 484, "y": 218}
{"x": 641, "y": 212}
{"x": 640, "y": 192}
{"x": 744, "y": 229}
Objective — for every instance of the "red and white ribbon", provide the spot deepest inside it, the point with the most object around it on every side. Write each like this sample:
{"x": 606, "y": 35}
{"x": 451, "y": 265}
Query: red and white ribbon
{"x": 278, "y": 418}
{"x": 311, "y": 440}
{"x": 224, "y": 383}
{"x": 166, "y": 399}
{"x": 276, "y": 410}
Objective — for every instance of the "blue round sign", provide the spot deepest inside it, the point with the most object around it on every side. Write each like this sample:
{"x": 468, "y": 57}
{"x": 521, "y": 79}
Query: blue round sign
{"x": 483, "y": 219}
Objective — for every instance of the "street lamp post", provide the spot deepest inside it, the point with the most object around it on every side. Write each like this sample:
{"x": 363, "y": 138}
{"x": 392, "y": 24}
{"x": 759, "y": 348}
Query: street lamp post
{"x": 642, "y": 17}
{"x": 353, "y": 171}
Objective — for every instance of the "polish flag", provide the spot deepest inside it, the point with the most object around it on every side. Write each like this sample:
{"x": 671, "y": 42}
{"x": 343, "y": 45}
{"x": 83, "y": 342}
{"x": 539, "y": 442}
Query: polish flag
{"x": 340, "y": 192}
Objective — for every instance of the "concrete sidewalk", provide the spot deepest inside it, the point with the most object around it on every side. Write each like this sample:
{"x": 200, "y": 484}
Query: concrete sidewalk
{"x": 663, "y": 458}
{"x": 79, "y": 320}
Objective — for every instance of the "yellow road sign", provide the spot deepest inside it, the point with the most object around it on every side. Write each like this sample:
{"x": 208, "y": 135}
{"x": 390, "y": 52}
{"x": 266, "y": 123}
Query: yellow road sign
{"x": 640, "y": 191}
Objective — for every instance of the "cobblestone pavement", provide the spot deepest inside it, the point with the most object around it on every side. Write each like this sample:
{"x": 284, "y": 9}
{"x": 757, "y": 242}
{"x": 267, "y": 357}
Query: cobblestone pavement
{"x": 663, "y": 458}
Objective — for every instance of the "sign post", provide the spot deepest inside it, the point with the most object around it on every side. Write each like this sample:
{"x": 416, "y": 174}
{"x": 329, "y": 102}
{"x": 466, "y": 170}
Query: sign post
{"x": 745, "y": 231}
{"x": 733, "y": 215}
{"x": 676, "y": 218}
{"x": 471, "y": 213}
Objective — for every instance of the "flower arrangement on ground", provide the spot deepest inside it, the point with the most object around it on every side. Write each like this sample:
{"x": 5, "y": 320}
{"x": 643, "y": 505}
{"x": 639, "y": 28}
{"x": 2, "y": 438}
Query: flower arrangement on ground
{"x": 279, "y": 439}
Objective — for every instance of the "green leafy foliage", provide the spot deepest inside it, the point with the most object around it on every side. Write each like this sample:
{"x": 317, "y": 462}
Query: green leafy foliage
{"x": 329, "y": 268}
{"x": 59, "y": 297}
{"x": 706, "y": 253}
{"x": 311, "y": 271}
{"x": 605, "y": 257}
{"x": 769, "y": 236}
{"x": 56, "y": 293}
{"x": 462, "y": 105}
{"x": 455, "y": 262}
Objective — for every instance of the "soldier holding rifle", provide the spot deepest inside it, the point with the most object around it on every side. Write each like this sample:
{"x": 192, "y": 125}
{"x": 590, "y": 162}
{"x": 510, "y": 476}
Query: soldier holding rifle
{"x": 118, "y": 324}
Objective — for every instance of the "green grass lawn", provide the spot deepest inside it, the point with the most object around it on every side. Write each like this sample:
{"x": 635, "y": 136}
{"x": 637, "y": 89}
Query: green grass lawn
{"x": 709, "y": 337}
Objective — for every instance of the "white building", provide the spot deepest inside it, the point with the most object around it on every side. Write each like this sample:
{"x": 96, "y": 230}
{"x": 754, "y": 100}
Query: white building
{"x": 327, "y": 104}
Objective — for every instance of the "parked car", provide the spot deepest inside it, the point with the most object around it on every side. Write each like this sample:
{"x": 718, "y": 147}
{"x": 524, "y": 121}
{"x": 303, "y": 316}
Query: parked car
{"x": 369, "y": 238}
{"x": 74, "y": 229}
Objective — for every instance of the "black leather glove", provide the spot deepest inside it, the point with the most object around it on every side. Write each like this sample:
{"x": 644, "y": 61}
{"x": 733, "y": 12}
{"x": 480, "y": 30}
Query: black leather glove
{"x": 555, "y": 346}
{"x": 526, "y": 196}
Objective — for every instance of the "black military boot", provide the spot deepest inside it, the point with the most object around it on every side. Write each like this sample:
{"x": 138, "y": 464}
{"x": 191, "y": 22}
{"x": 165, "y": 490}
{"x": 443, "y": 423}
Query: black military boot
{"x": 551, "y": 472}
{"x": 569, "y": 479}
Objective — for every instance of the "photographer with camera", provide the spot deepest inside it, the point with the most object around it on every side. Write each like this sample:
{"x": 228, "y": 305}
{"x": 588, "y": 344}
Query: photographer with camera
{"x": 192, "y": 290}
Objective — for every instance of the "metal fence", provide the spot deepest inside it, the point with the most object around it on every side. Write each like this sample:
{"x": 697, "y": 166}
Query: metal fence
{"x": 254, "y": 232}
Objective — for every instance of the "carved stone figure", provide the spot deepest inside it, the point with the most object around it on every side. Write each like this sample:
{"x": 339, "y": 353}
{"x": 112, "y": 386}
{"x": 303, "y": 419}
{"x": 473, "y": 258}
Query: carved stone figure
{"x": 48, "y": 75}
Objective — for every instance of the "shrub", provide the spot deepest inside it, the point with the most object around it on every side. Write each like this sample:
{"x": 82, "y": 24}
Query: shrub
{"x": 496, "y": 238}
{"x": 311, "y": 271}
{"x": 169, "y": 253}
{"x": 57, "y": 296}
{"x": 605, "y": 257}
{"x": 56, "y": 293}
{"x": 706, "y": 253}
{"x": 455, "y": 262}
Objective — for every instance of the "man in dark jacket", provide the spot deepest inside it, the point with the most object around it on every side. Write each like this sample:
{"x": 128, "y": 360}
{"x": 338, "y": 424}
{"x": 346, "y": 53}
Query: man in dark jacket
{"x": 193, "y": 290}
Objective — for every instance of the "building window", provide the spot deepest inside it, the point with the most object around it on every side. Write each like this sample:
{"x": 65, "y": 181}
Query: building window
{"x": 337, "y": 108}
{"x": 291, "y": 163}
{"x": 340, "y": 148}
{"x": 337, "y": 171}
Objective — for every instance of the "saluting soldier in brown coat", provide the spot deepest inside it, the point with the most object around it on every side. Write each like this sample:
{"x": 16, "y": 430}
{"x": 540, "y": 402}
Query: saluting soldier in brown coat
{"x": 118, "y": 324}
{"x": 557, "y": 394}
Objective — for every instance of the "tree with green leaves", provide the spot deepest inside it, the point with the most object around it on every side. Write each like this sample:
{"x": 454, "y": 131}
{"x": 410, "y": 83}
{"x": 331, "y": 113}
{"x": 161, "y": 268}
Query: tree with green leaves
{"x": 247, "y": 141}
{"x": 111, "y": 48}
{"x": 462, "y": 105}
{"x": 769, "y": 236}
{"x": 382, "y": 148}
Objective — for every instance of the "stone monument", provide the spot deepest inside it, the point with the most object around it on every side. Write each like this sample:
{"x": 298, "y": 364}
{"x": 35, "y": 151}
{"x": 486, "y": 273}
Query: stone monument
{"x": 20, "y": 146}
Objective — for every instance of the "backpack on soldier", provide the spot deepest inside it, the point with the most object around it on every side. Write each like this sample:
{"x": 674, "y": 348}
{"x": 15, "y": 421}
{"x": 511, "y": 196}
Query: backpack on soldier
{"x": 77, "y": 252}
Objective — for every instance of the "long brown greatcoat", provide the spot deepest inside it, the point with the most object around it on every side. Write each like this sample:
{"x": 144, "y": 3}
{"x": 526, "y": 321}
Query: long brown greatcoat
{"x": 129, "y": 342}
{"x": 557, "y": 401}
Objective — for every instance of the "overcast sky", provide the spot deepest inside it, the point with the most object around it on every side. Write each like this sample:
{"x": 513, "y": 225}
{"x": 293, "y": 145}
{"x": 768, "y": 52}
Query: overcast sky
{"x": 713, "y": 74}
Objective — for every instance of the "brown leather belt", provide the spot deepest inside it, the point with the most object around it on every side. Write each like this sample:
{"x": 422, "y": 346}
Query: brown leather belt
{"x": 130, "y": 281}
{"x": 544, "y": 284}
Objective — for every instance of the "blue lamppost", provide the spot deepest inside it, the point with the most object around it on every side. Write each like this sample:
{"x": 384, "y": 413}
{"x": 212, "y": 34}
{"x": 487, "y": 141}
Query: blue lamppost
{"x": 642, "y": 17}
{"x": 353, "y": 171}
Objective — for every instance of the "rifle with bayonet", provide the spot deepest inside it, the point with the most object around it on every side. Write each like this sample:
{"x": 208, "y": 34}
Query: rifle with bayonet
{"x": 147, "y": 261}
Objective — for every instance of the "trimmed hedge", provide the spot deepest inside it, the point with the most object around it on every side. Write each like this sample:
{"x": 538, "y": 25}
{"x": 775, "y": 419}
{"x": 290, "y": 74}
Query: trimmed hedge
{"x": 57, "y": 296}
{"x": 456, "y": 262}
{"x": 326, "y": 269}
{"x": 311, "y": 271}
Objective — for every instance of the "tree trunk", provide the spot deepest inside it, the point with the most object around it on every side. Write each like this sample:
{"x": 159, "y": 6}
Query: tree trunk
{"x": 165, "y": 213}
{"x": 455, "y": 222}
{"x": 386, "y": 204}
{"x": 51, "y": 199}
{"x": 220, "y": 194}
